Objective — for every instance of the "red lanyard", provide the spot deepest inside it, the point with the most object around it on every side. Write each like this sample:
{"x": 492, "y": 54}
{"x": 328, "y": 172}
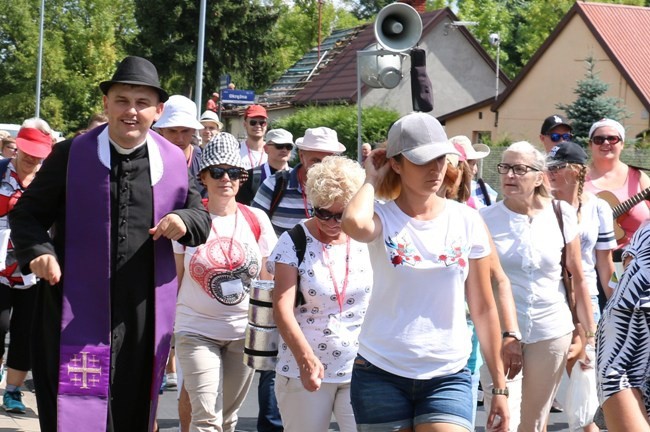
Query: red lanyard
{"x": 304, "y": 196}
{"x": 250, "y": 159}
{"x": 234, "y": 230}
{"x": 340, "y": 295}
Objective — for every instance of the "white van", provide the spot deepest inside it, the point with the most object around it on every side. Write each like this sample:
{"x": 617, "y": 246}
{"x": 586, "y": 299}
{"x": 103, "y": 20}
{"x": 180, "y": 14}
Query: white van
{"x": 11, "y": 128}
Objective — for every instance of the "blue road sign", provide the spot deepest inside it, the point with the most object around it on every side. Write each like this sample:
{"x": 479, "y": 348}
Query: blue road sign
{"x": 238, "y": 97}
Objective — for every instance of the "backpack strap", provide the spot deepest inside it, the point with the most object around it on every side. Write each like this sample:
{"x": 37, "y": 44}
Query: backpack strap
{"x": 299, "y": 239}
{"x": 256, "y": 179}
{"x": 4, "y": 164}
{"x": 281, "y": 184}
{"x": 486, "y": 195}
{"x": 251, "y": 219}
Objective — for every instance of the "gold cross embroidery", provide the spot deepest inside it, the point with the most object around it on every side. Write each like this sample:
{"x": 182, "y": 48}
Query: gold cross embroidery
{"x": 85, "y": 369}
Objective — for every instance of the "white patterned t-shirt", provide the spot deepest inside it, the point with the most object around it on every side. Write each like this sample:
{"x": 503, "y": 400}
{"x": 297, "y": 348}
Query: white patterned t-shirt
{"x": 331, "y": 333}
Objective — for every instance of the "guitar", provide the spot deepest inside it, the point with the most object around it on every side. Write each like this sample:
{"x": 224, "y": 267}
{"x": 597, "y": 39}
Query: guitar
{"x": 619, "y": 209}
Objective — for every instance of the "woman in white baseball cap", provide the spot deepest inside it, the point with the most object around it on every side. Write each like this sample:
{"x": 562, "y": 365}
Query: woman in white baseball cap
{"x": 426, "y": 252}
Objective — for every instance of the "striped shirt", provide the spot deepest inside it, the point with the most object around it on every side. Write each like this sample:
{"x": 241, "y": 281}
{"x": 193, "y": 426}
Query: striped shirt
{"x": 292, "y": 208}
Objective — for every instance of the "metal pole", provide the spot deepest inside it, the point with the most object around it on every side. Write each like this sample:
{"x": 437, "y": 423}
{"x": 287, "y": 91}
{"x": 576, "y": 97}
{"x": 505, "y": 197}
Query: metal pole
{"x": 199, "y": 58}
{"x": 496, "y": 96}
{"x": 359, "y": 126}
{"x": 39, "y": 66}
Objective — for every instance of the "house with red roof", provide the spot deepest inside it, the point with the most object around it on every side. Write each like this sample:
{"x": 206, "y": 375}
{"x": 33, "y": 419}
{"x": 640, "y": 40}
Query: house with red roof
{"x": 616, "y": 36}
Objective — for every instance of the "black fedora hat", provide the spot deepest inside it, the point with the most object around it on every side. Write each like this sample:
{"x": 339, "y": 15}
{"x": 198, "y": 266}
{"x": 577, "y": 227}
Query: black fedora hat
{"x": 137, "y": 71}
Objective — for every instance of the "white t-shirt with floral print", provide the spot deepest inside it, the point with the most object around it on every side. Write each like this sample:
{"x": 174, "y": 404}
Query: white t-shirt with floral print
{"x": 415, "y": 326}
{"x": 331, "y": 333}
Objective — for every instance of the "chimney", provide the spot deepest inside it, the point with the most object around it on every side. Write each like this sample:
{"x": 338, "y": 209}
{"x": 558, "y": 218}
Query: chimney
{"x": 418, "y": 5}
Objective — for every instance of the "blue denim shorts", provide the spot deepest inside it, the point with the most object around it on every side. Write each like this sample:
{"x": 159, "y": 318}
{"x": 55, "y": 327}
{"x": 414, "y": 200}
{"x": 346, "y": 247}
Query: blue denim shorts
{"x": 383, "y": 401}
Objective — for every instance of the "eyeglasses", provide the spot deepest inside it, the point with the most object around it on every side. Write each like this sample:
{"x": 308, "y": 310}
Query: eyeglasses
{"x": 555, "y": 168}
{"x": 518, "y": 169}
{"x": 13, "y": 149}
{"x": 283, "y": 146}
{"x": 555, "y": 137}
{"x": 233, "y": 173}
{"x": 257, "y": 122}
{"x": 325, "y": 215}
{"x": 600, "y": 139}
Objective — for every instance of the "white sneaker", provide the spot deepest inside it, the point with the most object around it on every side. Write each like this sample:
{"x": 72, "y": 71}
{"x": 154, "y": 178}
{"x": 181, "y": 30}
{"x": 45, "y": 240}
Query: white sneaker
{"x": 172, "y": 381}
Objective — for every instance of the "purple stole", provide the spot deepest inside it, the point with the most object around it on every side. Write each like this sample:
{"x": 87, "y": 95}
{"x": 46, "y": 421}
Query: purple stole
{"x": 85, "y": 356}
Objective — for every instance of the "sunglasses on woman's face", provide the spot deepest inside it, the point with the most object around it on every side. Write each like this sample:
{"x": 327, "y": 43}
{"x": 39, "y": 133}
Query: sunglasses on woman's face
{"x": 600, "y": 139}
{"x": 325, "y": 215}
{"x": 233, "y": 173}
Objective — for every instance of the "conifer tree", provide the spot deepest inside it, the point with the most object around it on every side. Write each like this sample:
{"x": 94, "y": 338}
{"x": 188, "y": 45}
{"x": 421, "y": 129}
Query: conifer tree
{"x": 591, "y": 104}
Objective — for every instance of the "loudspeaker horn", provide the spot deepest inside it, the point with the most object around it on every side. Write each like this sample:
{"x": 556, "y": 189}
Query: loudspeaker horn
{"x": 398, "y": 27}
{"x": 380, "y": 71}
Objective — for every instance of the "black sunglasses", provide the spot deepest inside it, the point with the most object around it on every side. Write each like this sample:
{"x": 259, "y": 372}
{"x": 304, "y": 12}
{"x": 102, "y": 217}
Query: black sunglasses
{"x": 325, "y": 215}
{"x": 233, "y": 173}
{"x": 283, "y": 146}
{"x": 600, "y": 139}
{"x": 555, "y": 137}
{"x": 257, "y": 122}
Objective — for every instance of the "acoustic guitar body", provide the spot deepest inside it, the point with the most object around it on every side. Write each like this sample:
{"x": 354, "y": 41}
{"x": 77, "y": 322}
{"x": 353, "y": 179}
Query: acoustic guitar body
{"x": 613, "y": 201}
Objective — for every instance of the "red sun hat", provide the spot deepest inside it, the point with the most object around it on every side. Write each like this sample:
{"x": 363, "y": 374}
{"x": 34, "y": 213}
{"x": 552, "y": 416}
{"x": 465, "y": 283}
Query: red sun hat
{"x": 34, "y": 142}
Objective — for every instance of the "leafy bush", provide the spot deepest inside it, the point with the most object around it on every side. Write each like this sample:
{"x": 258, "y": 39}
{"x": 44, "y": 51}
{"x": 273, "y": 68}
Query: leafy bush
{"x": 343, "y": 119}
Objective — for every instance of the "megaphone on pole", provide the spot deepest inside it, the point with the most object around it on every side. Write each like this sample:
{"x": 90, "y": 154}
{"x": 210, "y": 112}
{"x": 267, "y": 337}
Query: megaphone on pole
{"x": 398, "y": 27}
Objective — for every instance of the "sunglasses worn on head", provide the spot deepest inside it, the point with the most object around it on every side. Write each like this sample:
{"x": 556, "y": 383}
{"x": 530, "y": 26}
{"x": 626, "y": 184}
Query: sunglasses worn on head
{"x": 233, "y": 173}
{"x": 600, "y": 139}
{"x": 518, "y": 169}
{"x": 257, "y": 122}
{"x": 283, "y": 146}
{"x": 555, "y": 137}
{"x": 325, "y": 215}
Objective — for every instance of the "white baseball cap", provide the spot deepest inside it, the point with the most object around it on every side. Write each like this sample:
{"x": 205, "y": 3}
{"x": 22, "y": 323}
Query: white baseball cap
{"x": 322, "y": 139}
{"x": 279, "y": 136}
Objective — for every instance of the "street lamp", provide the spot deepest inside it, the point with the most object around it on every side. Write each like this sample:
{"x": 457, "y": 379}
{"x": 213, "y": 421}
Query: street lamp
{"x": 495, "y": 41}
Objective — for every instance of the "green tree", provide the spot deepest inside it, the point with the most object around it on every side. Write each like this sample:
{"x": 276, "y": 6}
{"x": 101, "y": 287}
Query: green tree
{"x": 239, "y": 40}
{"x": 298, "y": 27}
{"x": 343, "y": 119}
{"x": 523, "y": 25}
{"x": 591, "y": 104}
{"x": 80, "y": 50}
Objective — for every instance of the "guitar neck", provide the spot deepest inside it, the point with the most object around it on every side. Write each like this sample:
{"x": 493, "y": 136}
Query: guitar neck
{"x": 626, "y": 205}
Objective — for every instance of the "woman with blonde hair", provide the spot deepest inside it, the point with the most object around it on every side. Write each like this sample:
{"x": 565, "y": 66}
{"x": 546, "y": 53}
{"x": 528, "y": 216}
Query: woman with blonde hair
{"x": 527, "y": 235}
{"x": 319, "y": 338}
{"x": 429, "y": 255}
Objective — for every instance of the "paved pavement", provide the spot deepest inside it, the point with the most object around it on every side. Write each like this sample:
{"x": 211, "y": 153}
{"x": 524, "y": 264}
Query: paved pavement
{"x": 168, "y": 415}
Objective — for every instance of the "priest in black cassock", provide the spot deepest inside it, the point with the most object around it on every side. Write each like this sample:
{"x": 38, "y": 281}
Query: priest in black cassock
{"x": 112, "y": 200}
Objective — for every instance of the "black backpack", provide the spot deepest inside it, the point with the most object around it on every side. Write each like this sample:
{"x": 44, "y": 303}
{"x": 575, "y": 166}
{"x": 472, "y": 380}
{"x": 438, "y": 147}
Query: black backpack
{"x": 299, "y": 239}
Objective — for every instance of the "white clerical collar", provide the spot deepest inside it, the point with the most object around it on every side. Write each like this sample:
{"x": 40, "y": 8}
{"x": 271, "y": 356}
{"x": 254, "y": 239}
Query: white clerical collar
{"x": 156, "y": 167}
{"x": 126, "y": 151}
